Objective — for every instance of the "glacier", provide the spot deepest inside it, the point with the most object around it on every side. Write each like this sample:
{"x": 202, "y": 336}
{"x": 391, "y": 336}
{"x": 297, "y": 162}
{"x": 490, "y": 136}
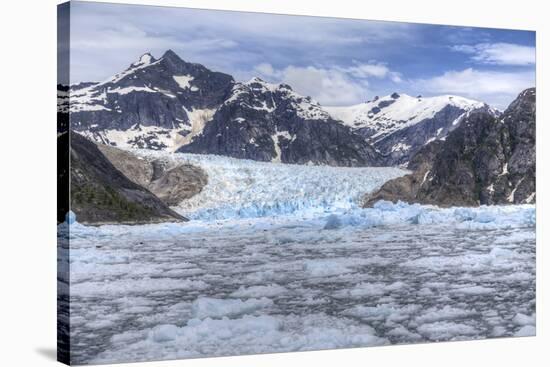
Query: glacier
{"x": 241, "y": 188}
{"x": 283, "y": 258}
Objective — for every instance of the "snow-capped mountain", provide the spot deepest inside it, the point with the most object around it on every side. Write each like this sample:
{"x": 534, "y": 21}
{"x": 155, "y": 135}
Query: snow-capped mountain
{"x": 398, "y": 125}
{"x": 487, "y": 160}
{"x": 175, "y": 105}
{"x": 271, "y": 122}
{"x": 152, "y": 104}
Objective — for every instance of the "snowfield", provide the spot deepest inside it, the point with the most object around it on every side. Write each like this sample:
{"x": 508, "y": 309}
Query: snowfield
{"x": 290, "y": 263}
{"x": 405, "y": 111}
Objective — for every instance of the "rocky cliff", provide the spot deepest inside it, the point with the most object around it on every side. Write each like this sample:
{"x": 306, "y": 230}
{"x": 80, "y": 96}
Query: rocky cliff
{"x": 172, "y": 183}
{"x": 100, "y": 193}
{"x": 486, "y": 160}
{"x": 270, "y": 122}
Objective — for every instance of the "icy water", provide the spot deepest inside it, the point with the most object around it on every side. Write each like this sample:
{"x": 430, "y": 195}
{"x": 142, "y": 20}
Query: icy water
{"x": 325, "y": 277}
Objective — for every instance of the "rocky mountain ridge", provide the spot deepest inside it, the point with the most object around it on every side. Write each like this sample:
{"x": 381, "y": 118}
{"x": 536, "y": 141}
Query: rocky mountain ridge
{"x": 171, "y": 104}
{"x": 271, "y": 122}
{"x": 487, "y": 160}
{"x": 398, "y": 125}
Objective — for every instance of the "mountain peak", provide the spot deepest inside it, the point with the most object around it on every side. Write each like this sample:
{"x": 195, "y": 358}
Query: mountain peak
{"x": 171, "y": 55}
{"x": 256, "y": 80}
{"x": 270, "y": 86}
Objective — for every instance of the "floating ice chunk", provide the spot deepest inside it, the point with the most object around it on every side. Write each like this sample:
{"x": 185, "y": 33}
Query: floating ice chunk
{"x": 247, "y": 335}
{"x": 474, "y": 290}
{"x": 403, "y": 332}
{"x": 447, "y": 312}
{"x": 204, "y": 307}
{"x": 516, "y": 237}
{"x": 496, "y": 258}
{"x": 527, "y": 330}
{"x": 163, "y": 333}
{"x": 444, "y": 330}
{"x": 321, "y": 268}
{"x": 370, "y": 289}
{"x": 124, "y": 287}
{"x": 522, "y": 319}
{"x": 390, "y": 313}
{"x": 363, "y": 290}
{"x": 98, "y": 324}
{"x": 271, "y": 290}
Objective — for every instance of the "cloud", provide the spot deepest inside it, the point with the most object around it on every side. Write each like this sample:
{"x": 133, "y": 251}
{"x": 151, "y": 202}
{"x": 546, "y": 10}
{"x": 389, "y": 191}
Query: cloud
{"x": 330, "y": 86}
{"x": 266, "y": 69}
{"x": 369, "y": 70}
{"x": 499, "y": 53}
{"x": 108, "y": 37}
{"x": 493, "y": 87}
{"x": 332, "y": 60}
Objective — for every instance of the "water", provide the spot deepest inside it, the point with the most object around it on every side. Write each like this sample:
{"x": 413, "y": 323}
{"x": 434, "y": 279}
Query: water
{"x": 280, "y": 281}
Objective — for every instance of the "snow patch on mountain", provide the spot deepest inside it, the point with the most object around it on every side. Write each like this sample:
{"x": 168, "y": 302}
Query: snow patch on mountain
{"x": 145, "y": 59}
{"x": 138, "y": 136}
{"x": 153, "y": 137}
{"x": 197, "y": 119}
{"x": 276, "y": 142}
{"x": 183, "y": 80}
{"x": 394, "y": 112}
{"x": 131, "y": 90}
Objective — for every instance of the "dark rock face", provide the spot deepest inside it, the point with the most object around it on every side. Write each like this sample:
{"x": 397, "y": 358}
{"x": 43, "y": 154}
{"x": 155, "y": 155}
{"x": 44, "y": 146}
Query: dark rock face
{"x": 267, "y": 122}
{"x": 102, "y": 194}
{"x": 406, "y": 188}
{"x": 520, "y": 119}
{"x": 413, "y": 138}
{"x": 485, "y": 161}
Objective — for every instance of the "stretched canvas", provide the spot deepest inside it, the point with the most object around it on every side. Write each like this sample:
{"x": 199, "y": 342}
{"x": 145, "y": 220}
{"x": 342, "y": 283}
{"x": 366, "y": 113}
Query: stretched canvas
{"x": 236, "y": 183}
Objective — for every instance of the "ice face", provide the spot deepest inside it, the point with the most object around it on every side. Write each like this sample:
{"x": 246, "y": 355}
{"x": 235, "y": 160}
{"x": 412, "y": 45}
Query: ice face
{"x": 240, "y": 188}
{"x": 325, "y": 274}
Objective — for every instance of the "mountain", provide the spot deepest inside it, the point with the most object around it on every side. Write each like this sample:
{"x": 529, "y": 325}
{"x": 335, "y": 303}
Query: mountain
{"x": 155, "y": 104}
{"x": 100, "y": 193}
{"x": 486, "y": 160}
{"x": 398, "y": 125}
{"x": 175, "y": 105}
{"x": 271, "y": 122}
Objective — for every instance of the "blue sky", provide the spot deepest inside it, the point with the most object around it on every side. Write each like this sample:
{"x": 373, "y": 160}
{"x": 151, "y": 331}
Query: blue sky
{"x": 336, "y": 61}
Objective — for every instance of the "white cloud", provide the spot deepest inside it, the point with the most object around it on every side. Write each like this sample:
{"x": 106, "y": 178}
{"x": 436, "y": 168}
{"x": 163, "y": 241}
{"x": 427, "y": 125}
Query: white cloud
{"x": 369, "y": 70}
{"x": 493, "y": 87}
{"x": 499, "y": 53}
{"x": 265, "y": 69}
{"x": 330, "y": 86}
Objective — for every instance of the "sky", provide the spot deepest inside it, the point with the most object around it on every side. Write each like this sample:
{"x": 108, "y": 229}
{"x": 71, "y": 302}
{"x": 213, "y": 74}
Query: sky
{"x": 336, "y": 61}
